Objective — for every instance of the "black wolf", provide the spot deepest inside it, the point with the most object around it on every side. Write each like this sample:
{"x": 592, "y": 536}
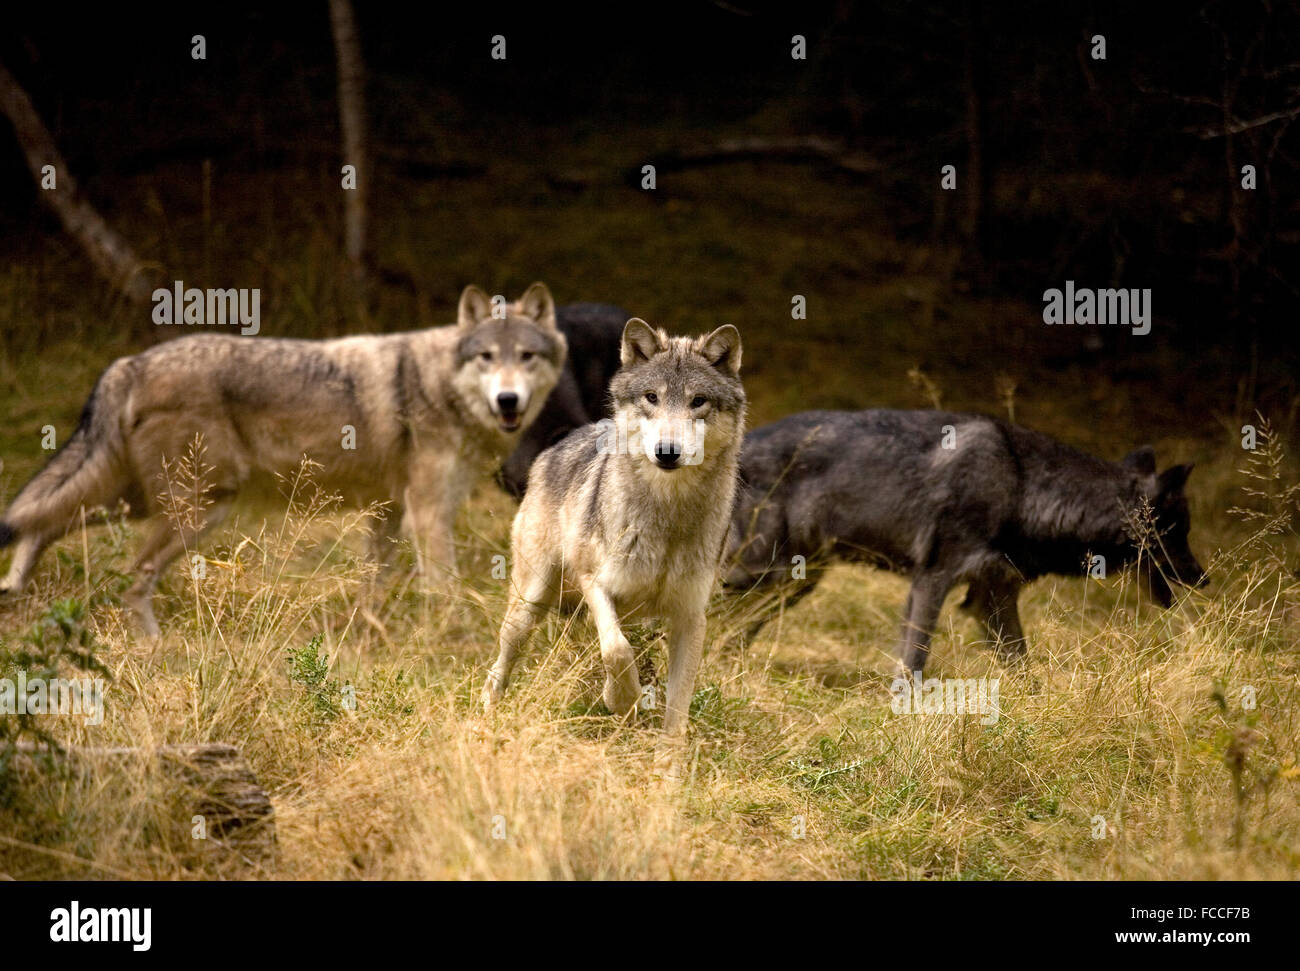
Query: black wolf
{"x": 950, "y": 498}
{"x": 594, "y": 332}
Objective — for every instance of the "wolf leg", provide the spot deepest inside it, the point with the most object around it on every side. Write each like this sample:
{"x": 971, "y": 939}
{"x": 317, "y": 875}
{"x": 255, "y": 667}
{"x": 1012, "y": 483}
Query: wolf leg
{"x": 163, "y": 545}
{"x": 787, "y": 596}
{"x": 382, "y": 534}
{"x": 763, "y": 595}
{"x": 622, "y": 686}
{"x": 993, "y": 602}
{"x": 924, "y": 601}
{"x": 27, "y": 551}
{"x": 432, "y": 514}
{"x": 435, "y": 548}
{"x": 532, "y": 588}
{"x": 685, "y": 648}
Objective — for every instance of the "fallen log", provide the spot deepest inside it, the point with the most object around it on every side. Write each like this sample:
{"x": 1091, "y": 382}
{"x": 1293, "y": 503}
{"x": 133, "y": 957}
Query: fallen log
{"x": 215, "y": 781}
{"x": 805, "y": 148}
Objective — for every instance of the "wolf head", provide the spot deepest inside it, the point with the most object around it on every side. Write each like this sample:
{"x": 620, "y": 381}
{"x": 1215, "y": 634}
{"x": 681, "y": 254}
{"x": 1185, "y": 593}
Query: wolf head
{"x": 678, "y": 401}
{"x": 1170, "y": 556}
{"x": 508, "y": 356}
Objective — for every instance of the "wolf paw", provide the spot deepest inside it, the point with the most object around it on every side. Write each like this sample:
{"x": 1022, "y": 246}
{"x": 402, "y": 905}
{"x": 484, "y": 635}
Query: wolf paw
{"x": 144, "y": 615}
{"x": 668, "y": 761}
{"x": 622, "y": 687}
{"x": 492, "y": 692}
{"x": 621, "y": 695}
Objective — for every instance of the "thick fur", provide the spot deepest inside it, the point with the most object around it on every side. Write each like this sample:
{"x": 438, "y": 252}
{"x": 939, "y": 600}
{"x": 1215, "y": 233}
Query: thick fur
{"x": 1001, "y": 507}
{"x": 594, "y": 332}
{"x": 431, "y": 410}
{"x": 603, "y": 514}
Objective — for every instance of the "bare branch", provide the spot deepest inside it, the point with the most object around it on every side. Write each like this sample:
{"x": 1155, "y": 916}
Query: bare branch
{"x": 1238, "y": 126}
{"x": 110, "y": 253}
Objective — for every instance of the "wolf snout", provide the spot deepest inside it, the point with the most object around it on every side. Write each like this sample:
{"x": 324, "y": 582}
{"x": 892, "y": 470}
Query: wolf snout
{"x": 1193, "y": 576}
{"x": 1185, "y": 569}
{"x": 668, "y": 455}
{"x": 508, "y": 408}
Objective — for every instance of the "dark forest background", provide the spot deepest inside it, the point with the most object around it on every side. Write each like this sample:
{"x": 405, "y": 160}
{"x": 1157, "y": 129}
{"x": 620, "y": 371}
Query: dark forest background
{"x": 1122, "y": 172}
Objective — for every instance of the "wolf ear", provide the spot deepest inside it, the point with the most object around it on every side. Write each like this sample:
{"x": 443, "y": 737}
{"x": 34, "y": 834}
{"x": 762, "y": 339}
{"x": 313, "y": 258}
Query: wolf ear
{"x": 722, "y": 348}
{"x": 1140, "y": 460}
{"x": 640, "y": 342}
{"x": 1171, "y": 480}
{"x": 538, "y": 304}
{"x": 475, "y": 306}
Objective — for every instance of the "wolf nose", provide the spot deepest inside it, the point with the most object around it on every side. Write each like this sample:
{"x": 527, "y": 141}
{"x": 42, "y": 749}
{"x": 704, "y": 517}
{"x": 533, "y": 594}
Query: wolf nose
{"x": 668, "y": 454}
{"x": 508, "y": 402}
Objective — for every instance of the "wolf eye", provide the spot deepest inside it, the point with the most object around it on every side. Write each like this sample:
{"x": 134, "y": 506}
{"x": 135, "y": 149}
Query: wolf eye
{"x": 651, "y": 397}
{"x": 699, "y": 401}
{"x": 527, "y": 356}
{"x": 485, "y": 355}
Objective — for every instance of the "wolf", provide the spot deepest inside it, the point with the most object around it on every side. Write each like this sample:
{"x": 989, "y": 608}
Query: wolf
{"x": 411, "y": 419}
{"x": 946, "y": 499}
{"x": 633, "y": 512}
{"x": 594, "y": 332}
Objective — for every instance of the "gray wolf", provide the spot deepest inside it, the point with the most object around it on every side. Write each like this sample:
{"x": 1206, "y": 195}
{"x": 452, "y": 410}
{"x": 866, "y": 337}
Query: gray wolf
{"x": 594, "y": 332}
{"x": 633, "y": 512}
{"x": 411, "y": 419}
{"x": 946, "y": 499}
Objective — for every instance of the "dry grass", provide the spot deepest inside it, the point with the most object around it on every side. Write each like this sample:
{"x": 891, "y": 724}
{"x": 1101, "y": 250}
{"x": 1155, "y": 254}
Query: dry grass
{"x": 797, "y": 766}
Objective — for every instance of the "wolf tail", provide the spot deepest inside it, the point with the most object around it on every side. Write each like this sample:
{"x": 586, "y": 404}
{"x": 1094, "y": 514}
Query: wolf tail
{"x": 89, "y": 470}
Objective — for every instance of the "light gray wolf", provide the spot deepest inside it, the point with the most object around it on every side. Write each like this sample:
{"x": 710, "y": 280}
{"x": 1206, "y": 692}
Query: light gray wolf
{"x": 411, "y": 419}
{"x": 594, "y": 332}
{"x": 948, "y": 499}
{"x": 633, "y": 512}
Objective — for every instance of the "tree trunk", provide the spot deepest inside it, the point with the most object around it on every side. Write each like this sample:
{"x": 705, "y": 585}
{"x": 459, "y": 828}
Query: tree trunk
{"x": 352, "y": 116}
{"x": 975, "y": 215}
{"x": 108, "y": 251}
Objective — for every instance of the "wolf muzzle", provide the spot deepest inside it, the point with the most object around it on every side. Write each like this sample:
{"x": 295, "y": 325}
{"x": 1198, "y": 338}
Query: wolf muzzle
{"x": 508, "y": 408}
{"x": 668, "y": 454}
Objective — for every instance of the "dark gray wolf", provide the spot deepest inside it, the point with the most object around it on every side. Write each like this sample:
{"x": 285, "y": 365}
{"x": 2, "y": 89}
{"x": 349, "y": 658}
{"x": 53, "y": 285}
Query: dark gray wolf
{"x": 947, "y": 499}
{"x": 633, "y": 512}
{"x": 412, "y": 419}
{"x": 593, "y": 332}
